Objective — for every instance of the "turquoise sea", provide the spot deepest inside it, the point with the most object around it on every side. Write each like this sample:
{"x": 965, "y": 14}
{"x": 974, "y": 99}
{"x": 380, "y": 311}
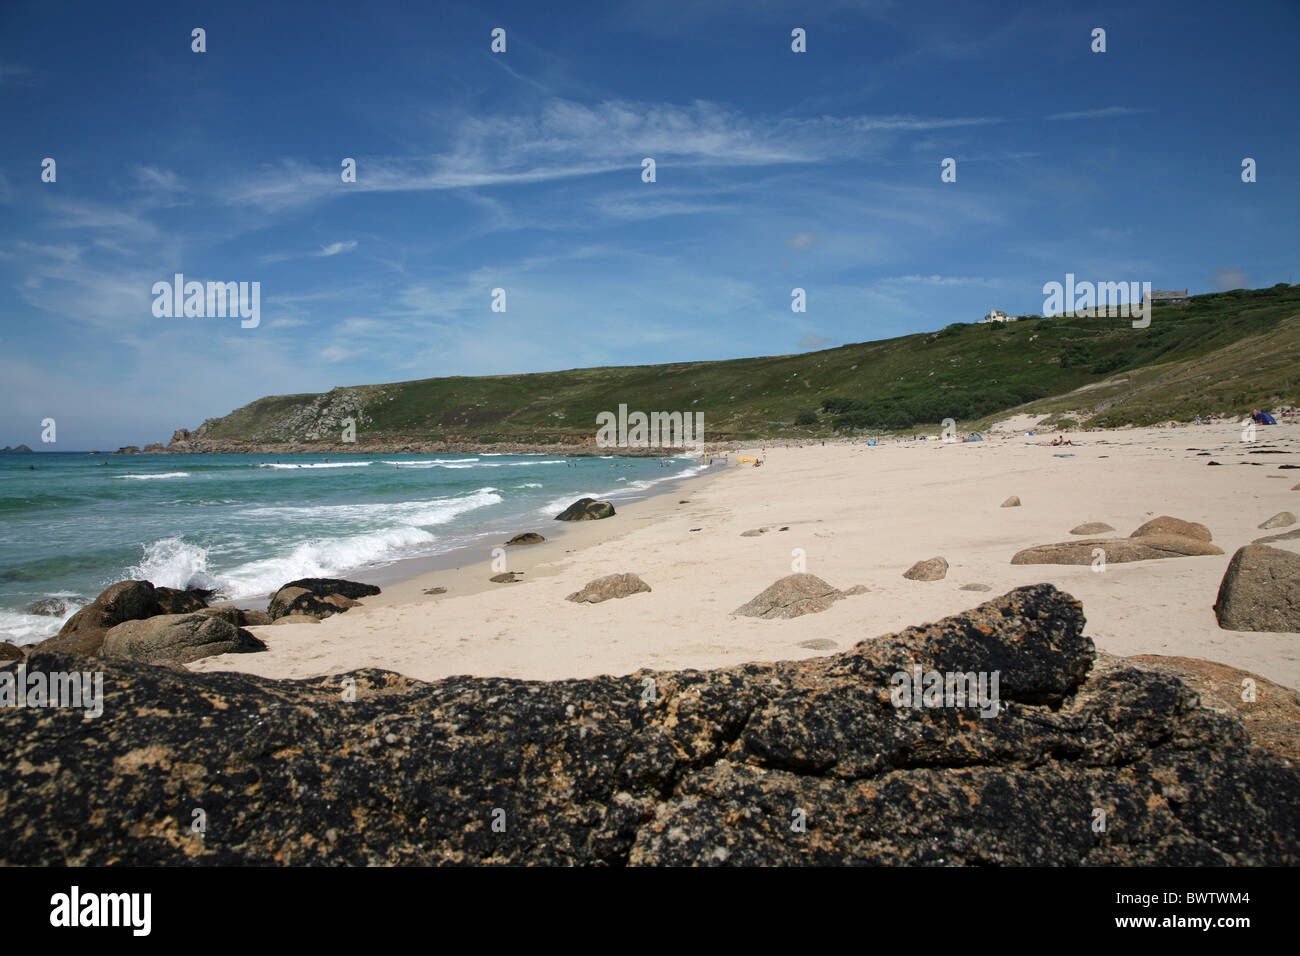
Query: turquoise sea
{"x": 72, "y": 523}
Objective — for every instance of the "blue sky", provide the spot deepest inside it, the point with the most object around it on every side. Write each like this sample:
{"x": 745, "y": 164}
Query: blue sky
{"x": 522, "y": 171}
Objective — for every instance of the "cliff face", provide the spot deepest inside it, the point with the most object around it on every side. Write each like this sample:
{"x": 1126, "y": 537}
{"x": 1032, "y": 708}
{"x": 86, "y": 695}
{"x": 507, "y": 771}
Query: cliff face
{"x": 801, "y": 762}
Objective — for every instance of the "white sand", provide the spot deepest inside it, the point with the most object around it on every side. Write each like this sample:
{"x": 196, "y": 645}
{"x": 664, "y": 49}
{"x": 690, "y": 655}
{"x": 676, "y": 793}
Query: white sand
{"x": 863, "y": 516}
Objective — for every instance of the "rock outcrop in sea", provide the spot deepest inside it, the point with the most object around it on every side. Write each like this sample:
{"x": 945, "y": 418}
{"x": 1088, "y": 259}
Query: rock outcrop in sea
{"x": 1087, "y": 761}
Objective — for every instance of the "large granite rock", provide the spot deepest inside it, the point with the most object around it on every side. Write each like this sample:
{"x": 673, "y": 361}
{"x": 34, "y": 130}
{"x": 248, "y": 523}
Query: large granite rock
{"x": 1283, "y": 519}
{"x": 178, "y": 639}
{"x": 586, "y": 509}
{"x": 1165, "y": 525}
{"x": 1118, "y": 550}
{"x": 1260, "y": 590}
{"x": 609, "y": 587}
{"x": 324, "y": 587}
{"x": 1092, "y": 528}
{"x": 528, "y": 537}
{"x": 371, "y": 768}
{"x": 791, "y": 596}
{"x": 931, "y": 569}
{"x": 83, "y": 633}
{"x": 317, "y": 597}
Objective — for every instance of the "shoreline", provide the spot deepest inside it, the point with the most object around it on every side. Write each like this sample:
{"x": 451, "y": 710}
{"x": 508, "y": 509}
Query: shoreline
{"x": 483, "y": 537}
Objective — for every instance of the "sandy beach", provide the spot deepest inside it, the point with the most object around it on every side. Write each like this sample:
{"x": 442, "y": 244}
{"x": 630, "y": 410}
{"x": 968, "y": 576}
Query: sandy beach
{"x": 861, "y": 515}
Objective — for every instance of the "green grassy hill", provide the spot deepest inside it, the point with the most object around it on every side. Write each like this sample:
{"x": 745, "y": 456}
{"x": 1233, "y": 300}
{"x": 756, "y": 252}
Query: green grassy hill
{"x": 1220, "y": 352}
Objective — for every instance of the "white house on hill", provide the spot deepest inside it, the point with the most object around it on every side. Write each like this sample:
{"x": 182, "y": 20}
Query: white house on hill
{"x": 997, "y": 315}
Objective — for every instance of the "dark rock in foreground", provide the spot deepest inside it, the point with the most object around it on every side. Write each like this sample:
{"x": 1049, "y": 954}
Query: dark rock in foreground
{"x": 586, "y": 509}
{"x": 711, "y": 767}
{"x": 1271, "y": 714}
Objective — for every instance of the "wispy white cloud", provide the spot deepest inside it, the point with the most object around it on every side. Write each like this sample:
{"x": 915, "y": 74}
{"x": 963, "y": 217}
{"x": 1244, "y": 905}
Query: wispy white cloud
{"x": 570, "y": 140}
{"x": 1098, "y": 114}
{"x": 334, "y": 248}
{"x": 163, "y": 180}
{"x": 944, "y": 280}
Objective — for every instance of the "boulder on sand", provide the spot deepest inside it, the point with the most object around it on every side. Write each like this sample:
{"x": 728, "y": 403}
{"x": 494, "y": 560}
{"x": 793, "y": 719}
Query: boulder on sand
{"x": 1260, "y": 591}
{"x": 1012, "y": 502}
{"x": 1118, "y": 550}
{"x": 705, "y": 771}
{"x": 791, "y": 596}
{"x": 610, "y": 586}
{"x": 933, "y": 569}
{"x": 1092, "y": 527}
{"x": 324, "y": 587}
{"x": 177, "y": 638}
{"x": 528, "y": 537}
{"x": 318, "y": 597}
{"x": 505, "y": 577}
{"x": 83, "y": 633}
{"x": 291, "y": 600}
{"x": 1283, "y": 519}
{"x": 586, "y": 509}
{"x": 1165, "y": 525}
